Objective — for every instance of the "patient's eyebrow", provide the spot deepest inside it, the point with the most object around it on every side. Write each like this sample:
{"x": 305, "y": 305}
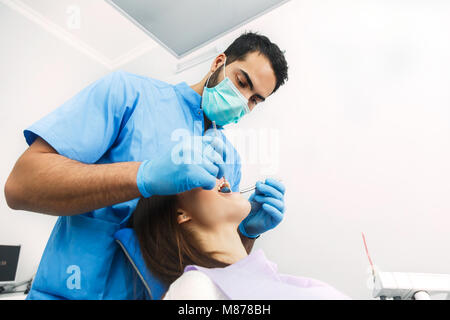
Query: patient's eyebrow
{"x": 250, "y": 83}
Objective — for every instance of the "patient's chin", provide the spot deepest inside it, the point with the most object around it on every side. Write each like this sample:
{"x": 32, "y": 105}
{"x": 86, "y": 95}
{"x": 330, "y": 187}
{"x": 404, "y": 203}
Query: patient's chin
{"x": 248, "y": 207}
{"x": 238, "y": 209}
{"x": 244, "y": 209}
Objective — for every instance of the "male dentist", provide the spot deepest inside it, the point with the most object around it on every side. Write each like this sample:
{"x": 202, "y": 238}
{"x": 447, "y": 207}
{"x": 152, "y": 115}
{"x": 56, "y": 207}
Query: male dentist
{"x": 91, "y": 159}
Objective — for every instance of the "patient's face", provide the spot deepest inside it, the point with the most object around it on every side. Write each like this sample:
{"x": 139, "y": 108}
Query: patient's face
{"x": 209, "y": 208}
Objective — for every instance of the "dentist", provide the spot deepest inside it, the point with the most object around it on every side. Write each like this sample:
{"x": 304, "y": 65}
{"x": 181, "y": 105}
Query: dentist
{"x": 90, "y": 160}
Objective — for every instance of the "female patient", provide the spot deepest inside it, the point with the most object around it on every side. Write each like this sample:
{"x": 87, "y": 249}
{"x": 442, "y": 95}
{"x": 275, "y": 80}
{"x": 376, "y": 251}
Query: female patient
{"x": 191, "y": 242}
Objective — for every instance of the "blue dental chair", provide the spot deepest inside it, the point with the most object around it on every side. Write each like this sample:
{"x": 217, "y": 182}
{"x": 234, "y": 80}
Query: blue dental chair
{"x": 154, "y": 288}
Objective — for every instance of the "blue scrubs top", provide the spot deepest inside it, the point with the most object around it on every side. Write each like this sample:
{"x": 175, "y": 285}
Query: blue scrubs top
{"x": 121, "y": 117}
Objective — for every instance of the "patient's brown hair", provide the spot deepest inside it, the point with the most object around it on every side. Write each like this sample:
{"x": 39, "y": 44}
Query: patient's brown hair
{"x": 167, "y": 247}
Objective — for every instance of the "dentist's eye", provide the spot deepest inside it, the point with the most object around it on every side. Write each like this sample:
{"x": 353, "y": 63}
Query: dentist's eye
{"x": 241, "y": 84}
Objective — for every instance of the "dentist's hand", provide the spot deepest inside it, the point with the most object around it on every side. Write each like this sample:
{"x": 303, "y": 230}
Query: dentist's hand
{"x": 267, "y": 208}
{"x": 195, "y": 163}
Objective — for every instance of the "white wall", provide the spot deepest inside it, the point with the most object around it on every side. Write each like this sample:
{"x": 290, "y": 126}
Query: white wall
{"x": 361, "y": 129}
{"x": 38, "y": 72}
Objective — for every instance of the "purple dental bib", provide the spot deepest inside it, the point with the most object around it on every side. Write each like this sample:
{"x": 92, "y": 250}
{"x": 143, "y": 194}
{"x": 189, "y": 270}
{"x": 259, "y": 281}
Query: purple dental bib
{"x": 256, "y": 278}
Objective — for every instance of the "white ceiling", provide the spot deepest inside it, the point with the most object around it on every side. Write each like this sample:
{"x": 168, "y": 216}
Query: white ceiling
{"x": 91, "y": 26}
{"x": 98, "y": 30}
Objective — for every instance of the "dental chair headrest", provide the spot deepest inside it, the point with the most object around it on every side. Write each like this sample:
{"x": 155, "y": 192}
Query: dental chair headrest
{"x": 127, "y": 240}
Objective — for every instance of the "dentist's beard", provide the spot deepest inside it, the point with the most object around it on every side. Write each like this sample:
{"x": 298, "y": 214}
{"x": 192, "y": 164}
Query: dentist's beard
{"x": 214, "y": 79}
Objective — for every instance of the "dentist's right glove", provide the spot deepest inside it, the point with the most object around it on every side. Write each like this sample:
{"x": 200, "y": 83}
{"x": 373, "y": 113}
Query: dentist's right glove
{"x": 195, "y": 163}
{"x": 267, "y": 208}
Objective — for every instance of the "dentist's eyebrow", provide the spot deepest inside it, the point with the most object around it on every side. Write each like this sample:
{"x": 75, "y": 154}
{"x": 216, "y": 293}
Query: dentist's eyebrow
{"x": 250, "y": 83}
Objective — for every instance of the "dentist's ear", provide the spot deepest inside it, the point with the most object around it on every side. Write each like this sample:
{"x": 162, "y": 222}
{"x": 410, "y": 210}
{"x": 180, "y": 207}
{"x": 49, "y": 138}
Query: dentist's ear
{"x": 218, "y": 62}
{"x": 182, "y": 216}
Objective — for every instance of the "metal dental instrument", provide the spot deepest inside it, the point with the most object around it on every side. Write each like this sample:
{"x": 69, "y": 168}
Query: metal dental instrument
{"x": 215, "y": 128}
{"x": 225, "y": 189}
{"x": 248, "y": 189}
{"x": 253, "y": 187}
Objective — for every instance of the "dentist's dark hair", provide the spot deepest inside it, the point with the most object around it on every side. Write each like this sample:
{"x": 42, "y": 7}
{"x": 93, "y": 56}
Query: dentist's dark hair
{"x": 167, "y": 247}
{"x": 250, "y": 42}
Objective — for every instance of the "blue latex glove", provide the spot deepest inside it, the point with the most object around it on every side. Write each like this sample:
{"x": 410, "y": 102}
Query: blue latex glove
{"x": 195, "y": 163}
{"x": 267, "y": 208}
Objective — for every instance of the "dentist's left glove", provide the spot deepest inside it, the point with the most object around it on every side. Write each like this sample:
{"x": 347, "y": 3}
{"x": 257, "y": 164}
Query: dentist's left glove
{"x": 267, "y": 208}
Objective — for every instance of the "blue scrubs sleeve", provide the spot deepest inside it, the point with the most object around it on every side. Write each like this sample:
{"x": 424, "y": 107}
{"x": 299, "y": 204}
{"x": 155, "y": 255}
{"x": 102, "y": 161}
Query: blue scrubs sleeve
{"x": 86, "y": 126}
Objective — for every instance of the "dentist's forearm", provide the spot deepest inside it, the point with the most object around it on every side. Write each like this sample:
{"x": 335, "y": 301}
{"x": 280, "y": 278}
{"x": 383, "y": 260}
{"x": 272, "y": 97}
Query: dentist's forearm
{"x": 44, "y": 181}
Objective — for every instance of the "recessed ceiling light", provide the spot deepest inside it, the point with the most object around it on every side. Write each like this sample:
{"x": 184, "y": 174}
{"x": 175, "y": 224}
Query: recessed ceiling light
{"x": 185, "y": 26}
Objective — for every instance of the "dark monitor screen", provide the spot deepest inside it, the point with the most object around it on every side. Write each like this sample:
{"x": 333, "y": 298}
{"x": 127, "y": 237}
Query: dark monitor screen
{"x": 9, "y": 258}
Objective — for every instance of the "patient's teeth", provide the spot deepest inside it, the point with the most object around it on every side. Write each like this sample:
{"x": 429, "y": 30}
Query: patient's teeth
{"x": 221, "y": 184}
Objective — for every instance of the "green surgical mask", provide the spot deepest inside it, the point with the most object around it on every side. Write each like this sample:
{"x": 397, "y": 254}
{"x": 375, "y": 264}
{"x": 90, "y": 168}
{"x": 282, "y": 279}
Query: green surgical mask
{"x": 224, "y": 103}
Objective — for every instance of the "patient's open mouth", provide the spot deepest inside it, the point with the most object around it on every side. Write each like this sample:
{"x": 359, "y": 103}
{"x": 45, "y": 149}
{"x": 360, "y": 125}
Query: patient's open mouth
{"x": 224, "y": 186}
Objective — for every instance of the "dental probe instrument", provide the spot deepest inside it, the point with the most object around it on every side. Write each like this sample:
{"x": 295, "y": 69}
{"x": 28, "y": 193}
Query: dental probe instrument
{"x": 248, "y": 189}
{"x": 224, "y": 189}
{"x": 253, "y": 187}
